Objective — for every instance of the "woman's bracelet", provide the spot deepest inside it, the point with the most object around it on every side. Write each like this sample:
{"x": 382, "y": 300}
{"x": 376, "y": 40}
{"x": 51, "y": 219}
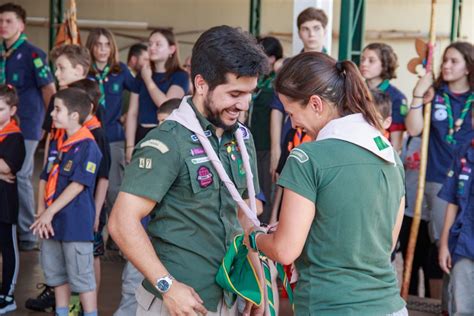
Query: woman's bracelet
{"x": 417, "y": 97}
{"x": 416, "y": 107}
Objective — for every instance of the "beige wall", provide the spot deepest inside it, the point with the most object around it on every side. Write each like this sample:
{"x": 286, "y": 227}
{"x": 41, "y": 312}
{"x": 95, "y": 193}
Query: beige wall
{"x": 195, "y": 15}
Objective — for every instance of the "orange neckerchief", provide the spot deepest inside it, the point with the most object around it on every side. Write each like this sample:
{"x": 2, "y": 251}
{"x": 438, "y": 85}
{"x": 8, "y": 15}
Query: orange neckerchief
{"x": 50, "y": 188}
{"x": 10, "y": 128}
{"x": 299, "y": 138}
{"x": 93, "y": 123}
{"x": 58, "y": 133}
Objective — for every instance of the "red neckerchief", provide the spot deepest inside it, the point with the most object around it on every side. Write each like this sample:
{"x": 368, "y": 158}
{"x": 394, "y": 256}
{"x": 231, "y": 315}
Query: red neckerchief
{"x": 10, "y": 128}
{"x": 63, "y": 147}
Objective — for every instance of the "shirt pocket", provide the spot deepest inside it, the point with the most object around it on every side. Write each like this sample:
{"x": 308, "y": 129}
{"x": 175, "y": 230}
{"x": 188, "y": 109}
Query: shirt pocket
{"x": 202, "y": 175}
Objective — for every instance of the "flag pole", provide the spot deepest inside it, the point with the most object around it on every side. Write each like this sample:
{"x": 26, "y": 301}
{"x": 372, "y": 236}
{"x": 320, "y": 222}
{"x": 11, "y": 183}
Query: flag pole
{"x": 423, "y": 162}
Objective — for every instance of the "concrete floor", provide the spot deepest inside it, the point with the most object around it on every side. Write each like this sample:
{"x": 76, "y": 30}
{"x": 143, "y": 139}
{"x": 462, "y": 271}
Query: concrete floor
{"x": 31, "y": 274}
{"x": 112, "y": 265}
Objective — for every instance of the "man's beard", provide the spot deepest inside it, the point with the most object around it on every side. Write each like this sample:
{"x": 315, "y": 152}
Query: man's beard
{"x": 214, "y": 117}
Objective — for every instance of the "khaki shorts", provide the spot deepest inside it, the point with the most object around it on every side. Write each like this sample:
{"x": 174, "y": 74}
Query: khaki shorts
{"x": 68, "y": 262}
{"x": 149, "y": 305}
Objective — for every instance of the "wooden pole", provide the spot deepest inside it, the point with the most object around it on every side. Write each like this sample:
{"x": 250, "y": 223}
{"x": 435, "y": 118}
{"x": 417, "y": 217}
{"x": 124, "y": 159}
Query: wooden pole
{"x": 424, "y": 157}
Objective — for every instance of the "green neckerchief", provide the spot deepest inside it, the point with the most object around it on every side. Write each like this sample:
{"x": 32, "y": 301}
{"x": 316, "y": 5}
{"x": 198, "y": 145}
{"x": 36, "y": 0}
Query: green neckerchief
{"x": 101, "y": 77}
{"x": 383, "y": 86}
{"x": 455, "y": 126}
{"x": 7, "y": 52}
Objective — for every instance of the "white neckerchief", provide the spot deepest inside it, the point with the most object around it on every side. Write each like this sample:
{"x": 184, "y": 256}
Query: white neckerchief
{"x": 356, "y": 130}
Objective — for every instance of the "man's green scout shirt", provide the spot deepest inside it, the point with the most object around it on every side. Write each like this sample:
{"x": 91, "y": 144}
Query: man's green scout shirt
{"x": 345, "y": 267}
{"x": 195, "y": 218}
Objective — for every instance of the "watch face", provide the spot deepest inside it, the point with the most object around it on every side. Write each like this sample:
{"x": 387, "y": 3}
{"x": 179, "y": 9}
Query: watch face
{"x": 163, "y": 285}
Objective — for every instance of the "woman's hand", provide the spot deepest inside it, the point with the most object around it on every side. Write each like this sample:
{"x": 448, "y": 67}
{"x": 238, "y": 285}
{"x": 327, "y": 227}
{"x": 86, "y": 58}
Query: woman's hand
{"x": 146, "y": 72}
{"x": 423, "y": 85}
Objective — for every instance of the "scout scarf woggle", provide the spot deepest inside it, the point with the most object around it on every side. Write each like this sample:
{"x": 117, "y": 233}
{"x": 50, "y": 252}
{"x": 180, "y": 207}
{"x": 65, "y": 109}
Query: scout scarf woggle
{"x": 236, "y": 273}
{"x": 5, "y": 53}
{"x": 63, "y": 147}
{"x": 10, "y": 128}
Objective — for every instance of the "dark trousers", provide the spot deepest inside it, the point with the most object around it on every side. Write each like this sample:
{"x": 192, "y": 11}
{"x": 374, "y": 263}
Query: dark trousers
{"x": 10, "y": 258}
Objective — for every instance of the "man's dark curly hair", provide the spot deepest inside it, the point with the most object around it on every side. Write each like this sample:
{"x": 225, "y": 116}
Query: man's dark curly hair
{"x": 223, "y": 50}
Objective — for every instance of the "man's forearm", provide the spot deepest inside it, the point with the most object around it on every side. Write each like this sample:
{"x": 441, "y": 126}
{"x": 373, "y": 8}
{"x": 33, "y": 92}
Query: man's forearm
{"x": 127, "y": 231}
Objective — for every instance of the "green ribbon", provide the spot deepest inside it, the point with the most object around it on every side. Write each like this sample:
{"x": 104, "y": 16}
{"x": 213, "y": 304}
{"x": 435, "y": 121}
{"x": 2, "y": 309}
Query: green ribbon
{"x": 7, "y": 52}
{"x": 453, "y": 127}
{"x": 101, "y": 76}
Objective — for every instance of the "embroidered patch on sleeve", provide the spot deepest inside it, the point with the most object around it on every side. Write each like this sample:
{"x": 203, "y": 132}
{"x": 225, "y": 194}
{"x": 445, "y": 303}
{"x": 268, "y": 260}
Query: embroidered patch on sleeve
{"x": 91, "y": 167}
{"x": 299, "y": 155}
{"x": 155, "y": 143}
{"x": 38, "y": 62}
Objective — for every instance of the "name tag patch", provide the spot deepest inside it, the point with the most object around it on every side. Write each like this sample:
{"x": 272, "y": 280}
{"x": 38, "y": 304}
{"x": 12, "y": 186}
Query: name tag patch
{"x": 199, "y": 160}
{"x": 155, "y": 143}
{"x": 207, "y": 133}
{"x": 197, "y": 151}
{"x": 91, "y": 167}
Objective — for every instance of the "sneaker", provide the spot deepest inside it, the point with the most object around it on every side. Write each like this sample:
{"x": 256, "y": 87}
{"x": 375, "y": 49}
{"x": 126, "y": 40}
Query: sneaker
{"x": 7, "y": 304}
{"x": 44, "y": 302}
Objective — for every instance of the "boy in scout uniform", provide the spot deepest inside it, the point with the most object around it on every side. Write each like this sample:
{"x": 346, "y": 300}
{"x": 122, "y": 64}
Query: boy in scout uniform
{"x": 24, "y": 66}
{"x": 66, "y": 208}
{"x": 193, "y": 216}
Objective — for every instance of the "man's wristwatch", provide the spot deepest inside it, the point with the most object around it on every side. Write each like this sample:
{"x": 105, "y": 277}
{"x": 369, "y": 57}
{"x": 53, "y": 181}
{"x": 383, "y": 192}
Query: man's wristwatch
{"x": 163, "y": 284}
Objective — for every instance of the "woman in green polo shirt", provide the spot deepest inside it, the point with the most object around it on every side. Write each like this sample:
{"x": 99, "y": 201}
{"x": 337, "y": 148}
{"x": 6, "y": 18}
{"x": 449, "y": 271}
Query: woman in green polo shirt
{"x": 343, "y": 194}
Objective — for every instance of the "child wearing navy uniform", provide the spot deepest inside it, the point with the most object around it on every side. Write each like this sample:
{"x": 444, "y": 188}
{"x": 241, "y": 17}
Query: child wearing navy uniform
{"x": 161, "y": 80}
{"x": 456, "y": 250}
{"x": 12, "y": 154}
{"x": 378, "y": 66}
{"x": 452, "y": 96}
{"x": 25, "y": 67}
{"x": 66, "y": 217}
{"x": 113, "y": 78}
{"x": 95, "y": 127}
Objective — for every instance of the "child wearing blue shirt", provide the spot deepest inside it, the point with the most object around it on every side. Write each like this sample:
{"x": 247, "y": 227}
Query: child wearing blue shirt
{"x": 66, "y": 211}
{"x": 452, "y": 96}
{"x": 25, "y": 67}
{"x": 378, "y": 66}
{"x": 113, "y": 78}
{"x": 456, "y": 250}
